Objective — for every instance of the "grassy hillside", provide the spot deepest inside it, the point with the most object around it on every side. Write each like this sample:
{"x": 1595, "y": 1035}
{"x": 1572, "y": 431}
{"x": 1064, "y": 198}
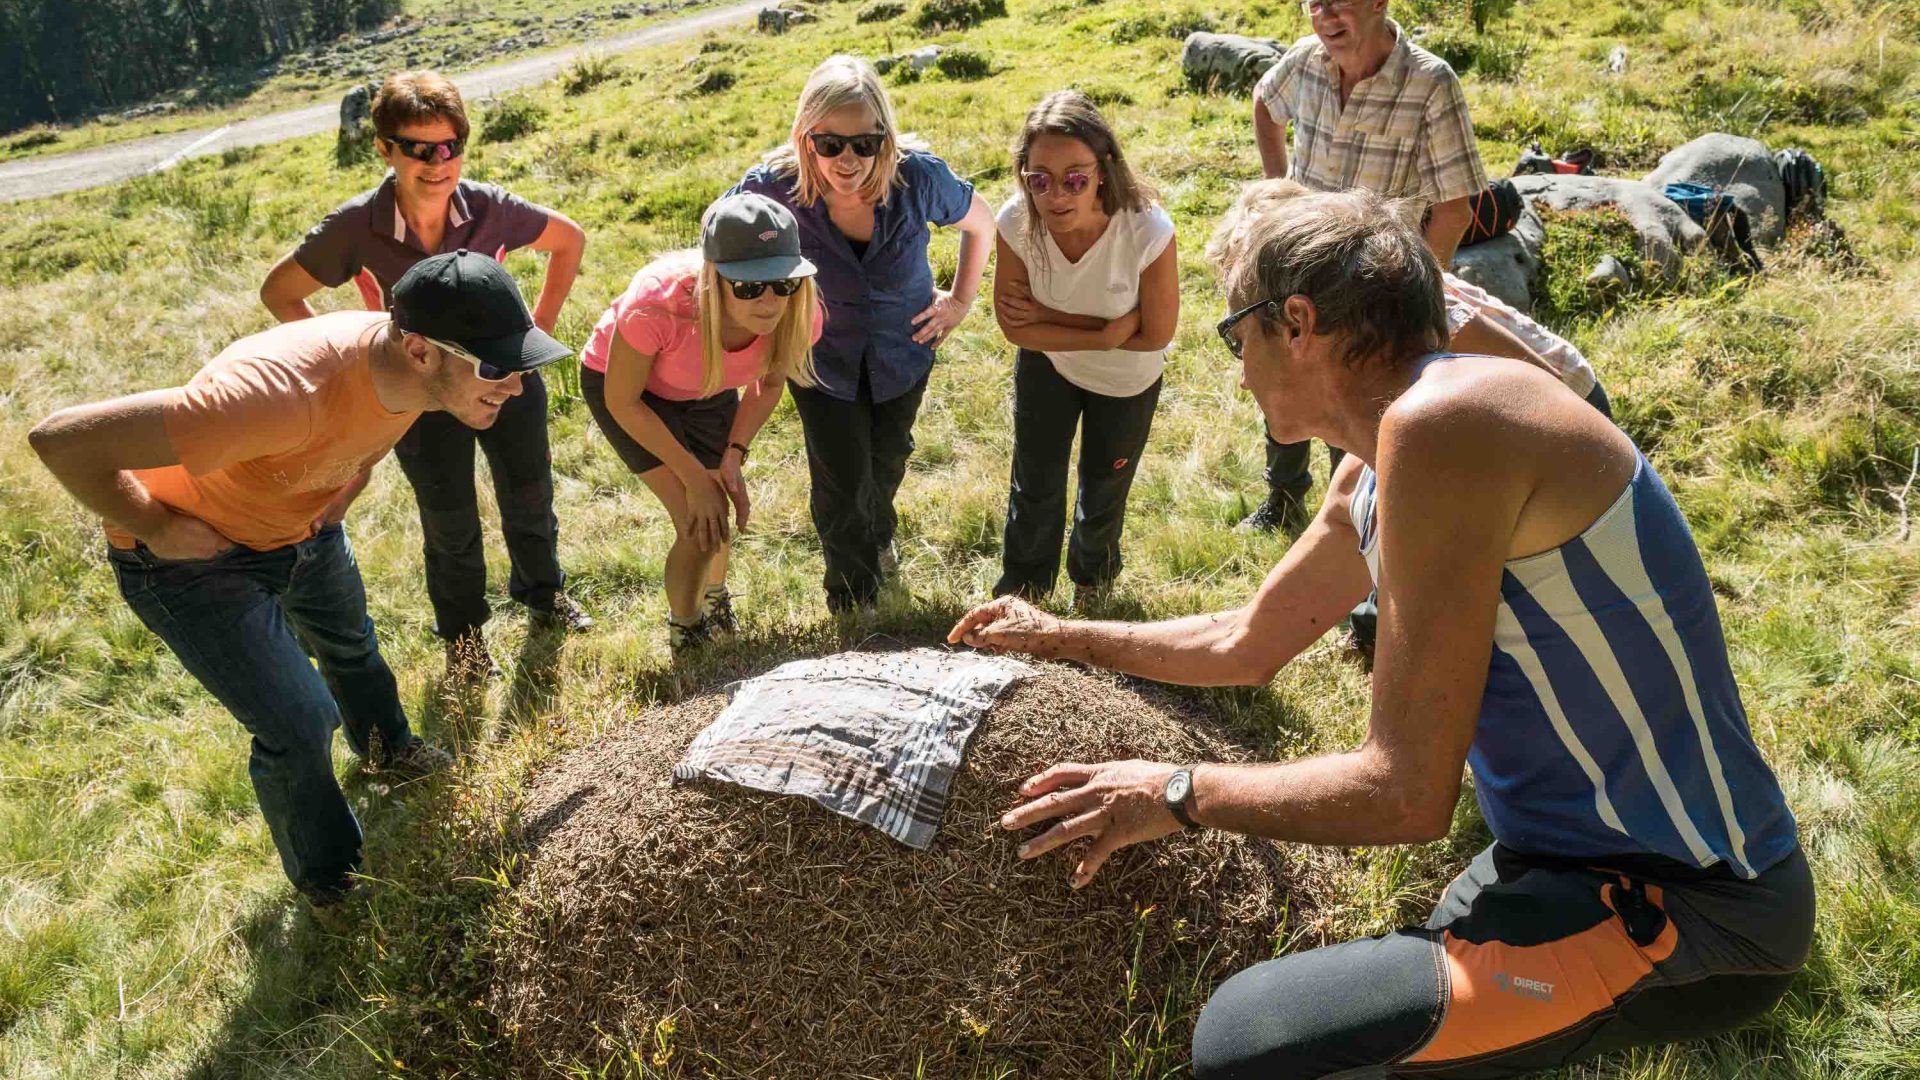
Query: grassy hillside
{"x": 145, "y": 928}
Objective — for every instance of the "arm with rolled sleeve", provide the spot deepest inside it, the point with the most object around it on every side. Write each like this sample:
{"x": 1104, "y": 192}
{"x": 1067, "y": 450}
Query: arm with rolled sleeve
{"x": 1450, "y": 170}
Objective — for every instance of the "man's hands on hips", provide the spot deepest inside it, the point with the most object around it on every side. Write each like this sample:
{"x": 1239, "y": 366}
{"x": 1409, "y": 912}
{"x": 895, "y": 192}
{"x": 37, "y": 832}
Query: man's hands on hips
{"x": 1113, "y": 805}
{"x": 1005, "y": 624}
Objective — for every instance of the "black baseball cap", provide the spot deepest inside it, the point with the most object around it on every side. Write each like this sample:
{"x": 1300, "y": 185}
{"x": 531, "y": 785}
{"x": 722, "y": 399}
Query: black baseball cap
{"x": 467, "y": 299}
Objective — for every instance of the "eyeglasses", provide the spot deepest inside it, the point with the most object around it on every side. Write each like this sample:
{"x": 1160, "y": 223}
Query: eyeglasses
{"x": 1072, "y": 183}
{"x": 1226, "y": 325}
{"x": 829, "y": 145}
{"x": 429, "y": 152}
{"x": 482, "y": 370}
{"x": 751, "y": 290}
{"x": 1309, "y": 8}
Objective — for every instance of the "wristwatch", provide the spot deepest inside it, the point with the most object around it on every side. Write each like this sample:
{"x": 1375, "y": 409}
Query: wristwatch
{"x": 740, "y": 447}
{"x": 1178, "y": 794}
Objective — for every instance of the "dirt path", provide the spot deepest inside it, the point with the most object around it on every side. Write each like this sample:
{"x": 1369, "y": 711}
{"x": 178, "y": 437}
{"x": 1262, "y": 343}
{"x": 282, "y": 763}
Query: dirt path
{"x": 33, "y": 178}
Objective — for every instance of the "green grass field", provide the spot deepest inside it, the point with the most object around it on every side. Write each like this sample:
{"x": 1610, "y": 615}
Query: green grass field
{"x": 145, "y": 928}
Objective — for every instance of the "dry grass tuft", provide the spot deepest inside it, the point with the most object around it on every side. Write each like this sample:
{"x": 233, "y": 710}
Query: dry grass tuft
{"x": 704, "y": 922}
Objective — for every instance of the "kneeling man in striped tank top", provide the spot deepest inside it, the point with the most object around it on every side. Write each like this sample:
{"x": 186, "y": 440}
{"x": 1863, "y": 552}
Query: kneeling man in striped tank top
{"x": 1545, "y": 621}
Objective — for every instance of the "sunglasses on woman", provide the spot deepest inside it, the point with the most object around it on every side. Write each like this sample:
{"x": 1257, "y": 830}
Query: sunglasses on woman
{"x": 751, "y": 290}
{"x": 429, "y": 152}
{"x": 1072, "y": 183}
{"x": 828, "y": 145}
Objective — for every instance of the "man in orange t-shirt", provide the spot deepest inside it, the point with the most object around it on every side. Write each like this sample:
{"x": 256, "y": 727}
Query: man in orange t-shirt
{"x": 223, "y": 502}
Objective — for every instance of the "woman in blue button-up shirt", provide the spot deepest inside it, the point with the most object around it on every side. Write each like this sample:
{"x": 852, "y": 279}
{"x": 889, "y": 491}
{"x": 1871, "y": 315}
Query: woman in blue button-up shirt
{"x": 864, "y": 201}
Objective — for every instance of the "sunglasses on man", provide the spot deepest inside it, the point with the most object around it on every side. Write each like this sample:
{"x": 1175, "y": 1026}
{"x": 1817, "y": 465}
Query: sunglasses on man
{"x": 482, "y": 370}
{"x": 829, "y": 145}
{"x": 1073, "y": 183}
{"x": 1226, "y": 325}
{"x": 429, "y": 152}
{"x": 751, "y": 290}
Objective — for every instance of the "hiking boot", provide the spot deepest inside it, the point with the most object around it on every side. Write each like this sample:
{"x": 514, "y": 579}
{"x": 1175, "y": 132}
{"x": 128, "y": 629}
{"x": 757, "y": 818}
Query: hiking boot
{"x": 1284, "y": 510}
{"x": 720, "y": 618}
{"x": 412, "y": 760}
{"x": 564, "y": 615}
{"x": 685, "y": 638}
{"x": 468, "y": 660}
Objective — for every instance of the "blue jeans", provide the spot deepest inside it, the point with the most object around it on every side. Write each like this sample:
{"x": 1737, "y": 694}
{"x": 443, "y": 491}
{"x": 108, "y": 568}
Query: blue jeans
{"x": 237, "y": 622}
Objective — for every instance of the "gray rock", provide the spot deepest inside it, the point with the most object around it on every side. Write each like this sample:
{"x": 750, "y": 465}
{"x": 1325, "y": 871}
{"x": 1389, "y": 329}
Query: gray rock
{"x": 1610, "y": 274}
{"x": 1666, "y": 233}
{"x": 1617, "y": 60}
{"x": 776, "y": 20}
{"x": 1508, "y": 265}
{"x": 920, "y": 59}
{"x": 1227, "y": 63}
{"x": 1741, "y": 167}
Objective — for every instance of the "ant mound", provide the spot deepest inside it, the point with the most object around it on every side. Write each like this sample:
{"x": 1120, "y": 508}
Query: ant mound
{"x": 717, "y": 930}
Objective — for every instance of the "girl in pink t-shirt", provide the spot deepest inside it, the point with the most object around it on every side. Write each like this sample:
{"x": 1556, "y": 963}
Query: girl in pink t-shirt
{"x": 663, "y": 374}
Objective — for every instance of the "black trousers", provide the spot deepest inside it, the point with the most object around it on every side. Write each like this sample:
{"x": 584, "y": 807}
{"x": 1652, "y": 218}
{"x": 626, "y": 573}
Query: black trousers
{"x": 856, "y": 457}
{"x": 437, "y": 456}
{"x": 1047, "y": 409}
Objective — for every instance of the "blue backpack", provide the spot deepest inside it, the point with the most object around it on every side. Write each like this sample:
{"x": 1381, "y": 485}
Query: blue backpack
{"x": 1726, "y": 223}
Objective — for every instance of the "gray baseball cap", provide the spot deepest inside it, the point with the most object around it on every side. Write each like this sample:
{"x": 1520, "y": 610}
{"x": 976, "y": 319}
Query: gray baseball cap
{"x": 749, "y": 237}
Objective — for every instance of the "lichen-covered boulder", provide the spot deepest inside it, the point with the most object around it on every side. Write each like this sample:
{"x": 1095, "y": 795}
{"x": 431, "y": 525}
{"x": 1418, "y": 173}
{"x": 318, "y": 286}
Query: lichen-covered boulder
{"x": 1227, "y": 63}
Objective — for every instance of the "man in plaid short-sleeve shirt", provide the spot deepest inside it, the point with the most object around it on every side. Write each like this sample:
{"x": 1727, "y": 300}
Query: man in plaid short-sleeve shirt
{"x": 1372, "y": 110}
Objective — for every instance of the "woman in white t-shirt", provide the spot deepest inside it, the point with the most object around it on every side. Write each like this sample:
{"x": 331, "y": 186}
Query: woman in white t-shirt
{"x": 1088, "y": 287}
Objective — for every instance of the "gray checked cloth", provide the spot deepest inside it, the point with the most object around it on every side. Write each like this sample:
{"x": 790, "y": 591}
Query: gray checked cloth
{"x": 876, "y": 737}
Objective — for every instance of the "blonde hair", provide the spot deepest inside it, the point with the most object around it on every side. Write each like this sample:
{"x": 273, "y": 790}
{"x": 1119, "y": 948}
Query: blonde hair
{"x": 789, "y": 346}
{"x": 1257, "y": 199}
{"x": 838, "y": 82}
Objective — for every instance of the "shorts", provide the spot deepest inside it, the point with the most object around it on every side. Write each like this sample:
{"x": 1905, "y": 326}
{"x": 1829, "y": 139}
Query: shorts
{"x": 1528, "y": 963}
{"x": 701, "y": 425}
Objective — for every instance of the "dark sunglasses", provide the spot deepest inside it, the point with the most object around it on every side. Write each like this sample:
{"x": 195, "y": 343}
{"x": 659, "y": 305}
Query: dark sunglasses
{"x": 1073, "y": 183}
{"x": 1226, "y": 325}
{"x": 429, "y": 152}
{"x": 830, "y": 146}
{"x": 751, "y": 290}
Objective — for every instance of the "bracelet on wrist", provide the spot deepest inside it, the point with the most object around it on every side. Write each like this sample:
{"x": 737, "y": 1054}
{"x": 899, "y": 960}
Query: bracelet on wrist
{"x": 740, "y": 447}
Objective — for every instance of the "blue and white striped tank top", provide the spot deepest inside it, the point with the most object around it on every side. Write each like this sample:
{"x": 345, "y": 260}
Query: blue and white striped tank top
{"x": 1611, "y": 724}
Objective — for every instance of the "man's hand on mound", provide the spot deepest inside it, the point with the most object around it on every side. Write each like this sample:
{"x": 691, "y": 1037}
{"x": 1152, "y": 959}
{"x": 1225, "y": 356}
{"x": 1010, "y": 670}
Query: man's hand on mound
{"x": 1113, "y": 805}
{"x": 1005, "y": 624}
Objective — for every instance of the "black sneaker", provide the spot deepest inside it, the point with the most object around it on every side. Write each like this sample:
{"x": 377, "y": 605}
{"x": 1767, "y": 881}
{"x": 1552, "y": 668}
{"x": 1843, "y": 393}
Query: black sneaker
{"x": 564, "y": 615}
{"x": 1284, "y": 510}
{"x": 468, "y": 660}
{"x": 684, "y": 639}
{"x": 720, "y": 616}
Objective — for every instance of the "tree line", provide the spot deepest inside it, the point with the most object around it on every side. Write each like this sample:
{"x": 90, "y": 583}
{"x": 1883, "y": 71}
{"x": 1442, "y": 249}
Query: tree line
{"x": 62, "y": 60}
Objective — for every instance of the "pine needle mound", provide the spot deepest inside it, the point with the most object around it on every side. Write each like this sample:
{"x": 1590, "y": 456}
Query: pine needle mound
{"x": 717, "y": 930}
